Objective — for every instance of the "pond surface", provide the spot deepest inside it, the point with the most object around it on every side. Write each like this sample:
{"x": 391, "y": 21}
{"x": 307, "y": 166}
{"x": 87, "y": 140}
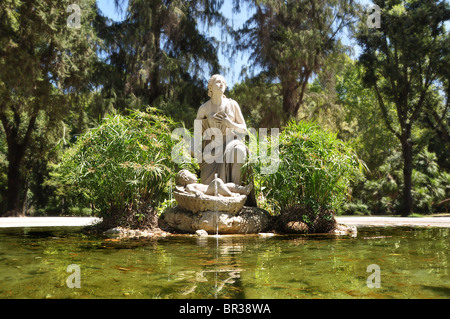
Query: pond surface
{"x": 412, "y": 263}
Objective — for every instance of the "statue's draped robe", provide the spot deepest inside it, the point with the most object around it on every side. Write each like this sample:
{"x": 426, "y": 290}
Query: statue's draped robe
{"x": 223, "y": 157}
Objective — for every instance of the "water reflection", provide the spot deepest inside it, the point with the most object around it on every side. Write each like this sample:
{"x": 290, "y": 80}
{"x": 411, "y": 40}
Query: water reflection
{"x": 413, "y": 264}
{"x": 218, "y": 277}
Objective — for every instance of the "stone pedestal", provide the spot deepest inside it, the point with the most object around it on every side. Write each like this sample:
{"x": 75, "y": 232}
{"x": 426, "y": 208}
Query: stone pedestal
{"x": 249, "y": 220}
{"x": 204, "y": 203}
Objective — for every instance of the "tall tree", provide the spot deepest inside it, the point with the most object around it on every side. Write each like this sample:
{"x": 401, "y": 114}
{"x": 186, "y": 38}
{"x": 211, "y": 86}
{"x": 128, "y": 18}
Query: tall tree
{"x": 373, "y": 142}
{"x": 403, "y": 60}
{"x": 159, "y": 45}
{"x": 290, "y": 40}
{"x": 46, "y": 50}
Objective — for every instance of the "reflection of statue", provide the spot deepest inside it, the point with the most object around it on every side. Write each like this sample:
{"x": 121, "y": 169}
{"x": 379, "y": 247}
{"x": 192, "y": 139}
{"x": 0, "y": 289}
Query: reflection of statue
{"x": 189, "y": 181}
{"x": 225, "y": 115}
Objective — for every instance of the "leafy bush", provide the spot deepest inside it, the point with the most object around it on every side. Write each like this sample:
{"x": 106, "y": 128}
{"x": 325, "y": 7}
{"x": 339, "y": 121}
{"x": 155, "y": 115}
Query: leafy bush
{"x": 122, "y": 169}
{"x": 314, "y": 172}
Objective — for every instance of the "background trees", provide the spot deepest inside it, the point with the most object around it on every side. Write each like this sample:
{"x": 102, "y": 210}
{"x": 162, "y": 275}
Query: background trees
{"x": 404, "y": 70}
{"x": 158, "y": 54}
{"x": 43, "y": 61}
{"x": 58, "y": 82}
{"x": 291, "y": 40}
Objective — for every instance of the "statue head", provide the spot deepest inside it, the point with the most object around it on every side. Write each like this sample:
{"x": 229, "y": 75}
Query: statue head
{"x": 211, "y": 81}
{"x": 184, "y": 177}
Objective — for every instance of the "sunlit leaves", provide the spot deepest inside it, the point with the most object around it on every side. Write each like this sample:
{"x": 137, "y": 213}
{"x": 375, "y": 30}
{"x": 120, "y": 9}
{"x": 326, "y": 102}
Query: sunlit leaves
{"x": 124, "y": 164}
{"x": 315, "y": 169}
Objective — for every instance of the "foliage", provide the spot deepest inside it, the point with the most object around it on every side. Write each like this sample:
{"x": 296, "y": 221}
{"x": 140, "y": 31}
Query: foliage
{"x": 42, "y": 61}
{"x": 434, "y": 126}
{"x": 321, "y": 105}
{"x": 315, "y": 169}
{"x": 122, "y": 168}
{"x": 291, "y": 40}
{"x": 380, "y": 192}
{"x": 403, "y": 68}
{"x": 363, "y": 118}
{"x": 260, "y": 102}
{"x": 158, "y": 54}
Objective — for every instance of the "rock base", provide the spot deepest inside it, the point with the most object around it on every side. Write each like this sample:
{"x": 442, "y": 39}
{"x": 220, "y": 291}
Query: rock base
{"x": 249, "y": 220}
{"x": 345, "y": 230}
{"x": 122, "y": 232}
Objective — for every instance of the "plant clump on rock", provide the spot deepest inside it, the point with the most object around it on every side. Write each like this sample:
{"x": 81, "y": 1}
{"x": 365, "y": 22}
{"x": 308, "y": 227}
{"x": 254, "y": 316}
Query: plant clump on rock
{"x": 122, "y": 169}
{"x": 314, "y": 170}
{"x": 302, "y": 220}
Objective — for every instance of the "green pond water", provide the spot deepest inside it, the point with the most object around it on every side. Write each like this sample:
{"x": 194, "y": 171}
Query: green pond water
{"x": 413, "y": 263}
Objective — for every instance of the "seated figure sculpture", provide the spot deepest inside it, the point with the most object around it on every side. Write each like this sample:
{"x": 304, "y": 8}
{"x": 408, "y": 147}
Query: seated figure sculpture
{"x": 188, "y": 180}
{"x": 224, "y": 154}
{"x": 224, "y": 115}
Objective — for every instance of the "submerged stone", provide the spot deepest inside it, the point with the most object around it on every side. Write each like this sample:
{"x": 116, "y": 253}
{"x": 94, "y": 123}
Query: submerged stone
{"x": 201, "y": 233}
{"x": 123, "y": 232}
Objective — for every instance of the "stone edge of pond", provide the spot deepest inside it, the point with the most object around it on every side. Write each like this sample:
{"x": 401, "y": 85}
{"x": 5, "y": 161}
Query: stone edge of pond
{"x": 390, "y": 221}
{"x": 124, "y": 233}
{"x": 347, "y": 225}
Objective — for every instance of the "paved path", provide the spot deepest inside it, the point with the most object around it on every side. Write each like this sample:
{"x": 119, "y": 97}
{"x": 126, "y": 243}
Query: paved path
{"x": 46, "y": 221}
{"x": 359, "y": 221}
{"x": 347, "y": 220}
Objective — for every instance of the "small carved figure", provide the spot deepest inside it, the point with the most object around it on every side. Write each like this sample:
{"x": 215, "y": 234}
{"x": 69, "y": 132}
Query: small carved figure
{"x": 188, "y": 180}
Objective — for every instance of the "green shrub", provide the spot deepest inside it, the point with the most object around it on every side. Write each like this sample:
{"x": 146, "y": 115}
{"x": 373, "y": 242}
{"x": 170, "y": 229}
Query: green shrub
{"x": 314, "y": 172}
{"x": 122, "y": 169}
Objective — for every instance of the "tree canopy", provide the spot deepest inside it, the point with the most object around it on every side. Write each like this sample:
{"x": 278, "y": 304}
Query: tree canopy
{"x": 65, "y": 67}
{"x": 292, "y": 40}
{"x": 405, "y": 70}
{"x": 43, "y": 61}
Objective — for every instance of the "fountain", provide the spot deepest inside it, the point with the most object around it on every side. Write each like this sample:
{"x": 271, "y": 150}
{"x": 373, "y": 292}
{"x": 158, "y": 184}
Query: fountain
{"x": 220, "y": 203}
{"x": 216, "y": 193}
{"x": 216, "y": 214}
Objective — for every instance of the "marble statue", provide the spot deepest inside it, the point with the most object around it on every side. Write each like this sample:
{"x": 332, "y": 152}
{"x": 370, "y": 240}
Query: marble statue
{"x": 225, "y": 115}
{"x": 220, "y": 202}
{"x": 197, "y": 197}
{"x": 190, "y": 183}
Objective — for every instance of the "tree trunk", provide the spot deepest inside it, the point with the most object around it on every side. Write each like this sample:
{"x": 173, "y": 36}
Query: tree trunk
{"x": 290, "y": 99}
{"x": 15, "y": 157}
{"x": 293, "y": 92}
{"x": 407, "y": 172}
{"x": 154, "y": 90}
{"x": 15, "y": 183}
